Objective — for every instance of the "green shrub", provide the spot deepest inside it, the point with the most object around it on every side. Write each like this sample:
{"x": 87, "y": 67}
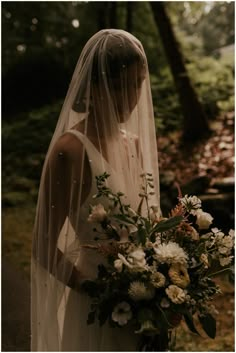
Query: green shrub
{"x": 25, "y": 142}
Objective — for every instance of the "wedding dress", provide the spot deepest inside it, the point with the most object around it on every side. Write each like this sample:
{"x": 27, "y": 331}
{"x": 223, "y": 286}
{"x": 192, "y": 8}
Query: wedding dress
{"x": 110, "y": 91}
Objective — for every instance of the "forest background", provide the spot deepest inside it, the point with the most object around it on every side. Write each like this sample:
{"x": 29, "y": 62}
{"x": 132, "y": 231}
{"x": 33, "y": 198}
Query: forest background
{"x": 41, "y": 43}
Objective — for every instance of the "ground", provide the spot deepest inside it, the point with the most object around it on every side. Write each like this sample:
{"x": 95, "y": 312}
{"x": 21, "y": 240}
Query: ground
{"x": 213, "y": 156}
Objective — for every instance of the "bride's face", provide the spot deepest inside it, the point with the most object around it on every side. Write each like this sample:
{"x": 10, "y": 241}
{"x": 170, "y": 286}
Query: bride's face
{"x": 127, "y": 90}
{"x": 123, "y": 91}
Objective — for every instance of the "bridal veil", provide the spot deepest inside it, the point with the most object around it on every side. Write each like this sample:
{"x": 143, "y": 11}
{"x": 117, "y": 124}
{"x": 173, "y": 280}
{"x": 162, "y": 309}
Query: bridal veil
{"x": 110, "y": 95}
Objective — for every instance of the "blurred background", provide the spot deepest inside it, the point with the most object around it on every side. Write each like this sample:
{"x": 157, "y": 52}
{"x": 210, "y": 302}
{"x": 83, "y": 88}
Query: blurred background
{"x": 190, "y": 51}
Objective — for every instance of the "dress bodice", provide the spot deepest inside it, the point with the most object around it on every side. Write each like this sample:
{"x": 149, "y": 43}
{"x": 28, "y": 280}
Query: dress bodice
{"x": 84, "y": 234}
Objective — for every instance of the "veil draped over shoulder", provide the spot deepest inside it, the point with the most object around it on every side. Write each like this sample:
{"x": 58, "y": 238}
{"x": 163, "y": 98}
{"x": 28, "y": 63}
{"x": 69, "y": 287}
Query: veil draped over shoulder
{"x": 106, "y": 125}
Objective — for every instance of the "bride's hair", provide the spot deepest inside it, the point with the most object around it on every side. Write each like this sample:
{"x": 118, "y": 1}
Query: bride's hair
{"x": 119, "y": 54}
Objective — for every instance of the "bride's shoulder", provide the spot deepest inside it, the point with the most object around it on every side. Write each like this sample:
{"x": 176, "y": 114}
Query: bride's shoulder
{"x": 68, "y": 146}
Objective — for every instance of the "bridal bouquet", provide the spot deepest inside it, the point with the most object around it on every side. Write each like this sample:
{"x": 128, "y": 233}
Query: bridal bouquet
{"x": 158, "y": 271}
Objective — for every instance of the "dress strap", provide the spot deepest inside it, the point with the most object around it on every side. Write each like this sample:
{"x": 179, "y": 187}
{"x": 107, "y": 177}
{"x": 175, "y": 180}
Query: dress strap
{"x": 94, "y": 156}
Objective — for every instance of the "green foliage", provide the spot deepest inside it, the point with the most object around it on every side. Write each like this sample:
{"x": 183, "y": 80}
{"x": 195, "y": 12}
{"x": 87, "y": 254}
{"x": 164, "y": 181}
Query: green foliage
{"x": 168, "y": 224}
{"x": 25, "y": 142}
{"x": 189, "y": 321}
{"x": 213, "y": 21}
{"x": 214, "y": 83}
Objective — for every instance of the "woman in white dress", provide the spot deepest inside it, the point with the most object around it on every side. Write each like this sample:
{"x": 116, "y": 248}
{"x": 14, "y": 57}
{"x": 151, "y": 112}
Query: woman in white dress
{"x": 106, "y": 125}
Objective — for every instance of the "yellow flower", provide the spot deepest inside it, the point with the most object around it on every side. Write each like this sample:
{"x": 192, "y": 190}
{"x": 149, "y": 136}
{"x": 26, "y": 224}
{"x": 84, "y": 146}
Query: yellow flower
{"x": 179, "y": 275}
{"x": 204, "y": 260}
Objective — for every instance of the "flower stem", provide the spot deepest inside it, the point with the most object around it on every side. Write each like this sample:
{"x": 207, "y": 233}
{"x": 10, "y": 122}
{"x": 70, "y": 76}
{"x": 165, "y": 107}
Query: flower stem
{"x": 216, "y": 273}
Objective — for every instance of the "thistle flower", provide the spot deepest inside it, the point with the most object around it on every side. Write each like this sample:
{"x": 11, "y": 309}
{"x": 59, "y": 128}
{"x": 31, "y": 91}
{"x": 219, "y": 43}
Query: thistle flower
{"x": 138, "y": 291}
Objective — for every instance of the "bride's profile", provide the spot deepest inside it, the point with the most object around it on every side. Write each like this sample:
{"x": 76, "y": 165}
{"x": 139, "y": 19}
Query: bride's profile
{"x": 106, "y": 125}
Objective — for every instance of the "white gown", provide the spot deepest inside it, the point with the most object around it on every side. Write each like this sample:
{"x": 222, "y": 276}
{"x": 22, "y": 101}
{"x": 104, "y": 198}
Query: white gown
{"x": 76, "y": 334}
{"x": 109, "y": 90}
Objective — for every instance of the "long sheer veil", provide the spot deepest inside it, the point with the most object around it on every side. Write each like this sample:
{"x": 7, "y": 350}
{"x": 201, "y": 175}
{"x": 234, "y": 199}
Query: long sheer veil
{"x": 109, "y": 103}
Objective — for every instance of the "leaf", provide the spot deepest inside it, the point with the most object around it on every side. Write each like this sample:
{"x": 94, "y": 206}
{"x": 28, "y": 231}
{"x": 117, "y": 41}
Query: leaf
{"x": 172, "y": 222}
{"x": 208, "y": 324}
{"x": 91, "y": 317}
{"x": 105, "y": 311}
{"x": 102, "y": 271}
{"x": 124, "y": 218}
{"x": 90, "y": 287}
{"x": 141, "y": 235}
{"x": 189, "y": 321}
{"x": 147, "y": 225}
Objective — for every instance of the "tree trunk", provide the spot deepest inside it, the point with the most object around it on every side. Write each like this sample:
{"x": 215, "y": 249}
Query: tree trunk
{"x": 129, "y": 16}
{"x": 195, "y": 123}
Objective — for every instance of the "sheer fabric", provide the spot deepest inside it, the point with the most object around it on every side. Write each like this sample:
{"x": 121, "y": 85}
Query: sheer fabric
{"x": 106, "y": 124}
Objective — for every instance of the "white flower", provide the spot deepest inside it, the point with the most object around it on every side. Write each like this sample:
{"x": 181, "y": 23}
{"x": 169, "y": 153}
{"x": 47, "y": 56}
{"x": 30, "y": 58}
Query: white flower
{"x": 137, "y": 256}
{"x": 98, "y": 214}
{"x": 122, "y": 313}
{"x": 165, "y": 303}
{"x": 225, "y": 260}
{"x": 158, "y": 279}
{"x": 204, "y": 219}
{"x": 131, "y": 212}
{"x": 135, "y": 260}
{"x": 226, "y": 243}
{"x": 215, "y": 230}
{"x": 219, "y": 236}
{"x": 155, "y": 213}
{"x": 118, "y": 264}
{"x": 170, "y": 253}
{"x": 191, "y": 203}
{"x": 154, "y": 216}
{"x": 231, "y": 233}
{"x": 176, "y": 294}
{"x": 138, "y": 291}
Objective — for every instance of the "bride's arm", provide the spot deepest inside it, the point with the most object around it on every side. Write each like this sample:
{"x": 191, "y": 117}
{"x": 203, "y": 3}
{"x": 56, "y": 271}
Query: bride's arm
{"x": 63, "y": 168}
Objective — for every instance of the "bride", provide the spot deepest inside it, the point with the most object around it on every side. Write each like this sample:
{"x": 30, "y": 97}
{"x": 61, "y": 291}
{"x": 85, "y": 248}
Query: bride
{"x": 106, "y": 125}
